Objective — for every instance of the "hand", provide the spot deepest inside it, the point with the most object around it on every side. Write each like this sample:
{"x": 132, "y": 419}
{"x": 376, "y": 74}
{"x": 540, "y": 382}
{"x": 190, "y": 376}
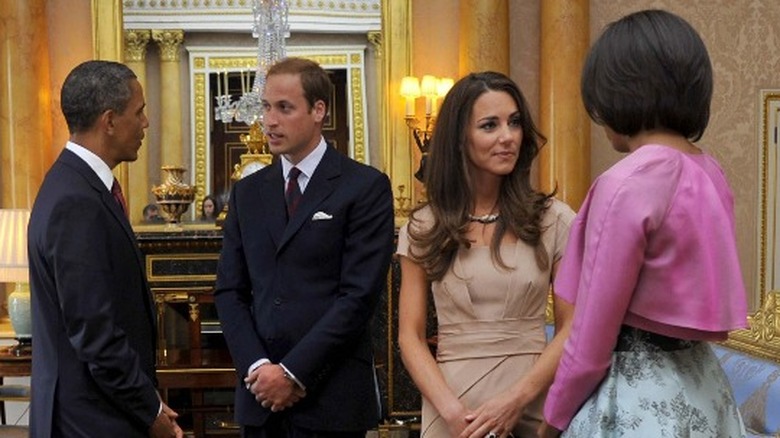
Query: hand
{"x": 165, "y": 425}
{"x": 499, "y": 415}
{"x": 272, "y": 389}
{"x": 456, "y": 419}
{"x": 547, "y": 431}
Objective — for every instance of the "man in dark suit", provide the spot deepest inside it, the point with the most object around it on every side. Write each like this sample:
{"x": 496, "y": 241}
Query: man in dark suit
{"x": 306, "y": 249}
{"x": 93, "y": 317}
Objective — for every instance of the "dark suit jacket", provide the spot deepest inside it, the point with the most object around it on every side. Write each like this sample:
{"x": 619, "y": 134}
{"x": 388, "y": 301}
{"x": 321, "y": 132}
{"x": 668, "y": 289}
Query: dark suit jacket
{"x": 93, "y": 320}
{"x": 303, "y": 292}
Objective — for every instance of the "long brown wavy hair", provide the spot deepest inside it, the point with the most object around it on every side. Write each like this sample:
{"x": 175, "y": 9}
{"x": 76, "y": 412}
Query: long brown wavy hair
{"x": 449, "y": 186}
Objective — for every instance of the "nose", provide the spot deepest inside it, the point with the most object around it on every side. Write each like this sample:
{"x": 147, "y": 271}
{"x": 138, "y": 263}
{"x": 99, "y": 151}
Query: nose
{"x": 269, "y": 117}
{"x": 506, "y": 134}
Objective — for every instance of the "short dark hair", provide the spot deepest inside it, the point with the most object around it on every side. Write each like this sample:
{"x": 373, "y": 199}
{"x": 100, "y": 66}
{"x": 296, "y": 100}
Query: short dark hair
{"x": 314, "y": 79}
{"x": 92, "y": 88}
{"x": 649, "y": 70}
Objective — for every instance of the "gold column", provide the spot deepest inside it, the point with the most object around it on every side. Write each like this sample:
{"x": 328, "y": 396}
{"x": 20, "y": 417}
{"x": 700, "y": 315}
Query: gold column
{"x": 565, "y": 160}
{"x": 171, "y": 145}
{"x": 108, "y": 45}
{"x": 484, "y": 42}
{"x": 138, "y": 189}
{"x": 25, "y": 101}
{"x": 396, "y": 141}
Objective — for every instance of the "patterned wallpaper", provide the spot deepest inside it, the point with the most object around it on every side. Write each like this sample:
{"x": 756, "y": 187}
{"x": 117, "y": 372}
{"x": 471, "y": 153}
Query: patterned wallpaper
{"x": 743, "y": 38}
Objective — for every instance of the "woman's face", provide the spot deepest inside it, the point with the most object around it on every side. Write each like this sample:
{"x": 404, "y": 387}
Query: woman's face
{"x": 208, "y": 207}
{"x": 494, "y": 134}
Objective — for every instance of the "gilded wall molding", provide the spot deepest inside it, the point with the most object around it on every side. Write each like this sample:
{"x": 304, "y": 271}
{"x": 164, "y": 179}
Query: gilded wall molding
{"x": 375, "y": 38}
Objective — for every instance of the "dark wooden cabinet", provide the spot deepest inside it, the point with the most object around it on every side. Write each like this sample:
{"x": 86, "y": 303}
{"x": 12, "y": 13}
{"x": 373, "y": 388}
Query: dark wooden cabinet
{"x": 195, "y": 372}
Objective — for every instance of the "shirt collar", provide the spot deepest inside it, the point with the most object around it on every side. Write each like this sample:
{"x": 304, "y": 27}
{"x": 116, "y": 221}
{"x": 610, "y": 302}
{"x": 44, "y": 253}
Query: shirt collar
{"x": 94, "y": 162}
{"x": 309, "y": 164}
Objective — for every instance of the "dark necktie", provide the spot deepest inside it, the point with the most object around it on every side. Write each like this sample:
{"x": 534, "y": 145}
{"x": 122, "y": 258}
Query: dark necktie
{"x": 116, "y": 190}
{"x": 293, "y": 193}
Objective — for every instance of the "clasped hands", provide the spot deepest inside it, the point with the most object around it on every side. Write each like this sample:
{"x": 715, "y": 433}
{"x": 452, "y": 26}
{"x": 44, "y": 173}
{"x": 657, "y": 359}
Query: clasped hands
{"x": 272, "y": 389}
{"x": 495, "y": 418}
{"x": 165, "y": 425}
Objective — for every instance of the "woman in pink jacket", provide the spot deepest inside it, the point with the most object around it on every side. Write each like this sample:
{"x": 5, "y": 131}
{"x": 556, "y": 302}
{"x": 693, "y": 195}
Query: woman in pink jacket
{"x": 651, "y": 263}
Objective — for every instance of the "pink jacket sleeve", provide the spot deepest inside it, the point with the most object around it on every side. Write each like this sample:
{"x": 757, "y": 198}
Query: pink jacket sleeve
{"x": 598, "y": 274}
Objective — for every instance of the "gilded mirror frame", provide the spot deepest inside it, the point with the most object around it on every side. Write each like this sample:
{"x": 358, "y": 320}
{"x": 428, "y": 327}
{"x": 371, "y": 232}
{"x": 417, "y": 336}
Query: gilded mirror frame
{"x": 762, "y": 338}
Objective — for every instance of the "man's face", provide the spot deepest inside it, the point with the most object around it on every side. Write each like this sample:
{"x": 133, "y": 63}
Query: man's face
{"x": 291, "y": 126}
{"x": 126, "y": 129}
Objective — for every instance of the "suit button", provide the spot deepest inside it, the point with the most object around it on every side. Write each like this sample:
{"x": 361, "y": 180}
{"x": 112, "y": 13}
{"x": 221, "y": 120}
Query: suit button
{"x": 277, "y": 301}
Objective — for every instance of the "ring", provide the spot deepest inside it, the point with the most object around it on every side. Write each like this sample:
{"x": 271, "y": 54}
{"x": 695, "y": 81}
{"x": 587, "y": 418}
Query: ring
{"x": 491, "y": 435}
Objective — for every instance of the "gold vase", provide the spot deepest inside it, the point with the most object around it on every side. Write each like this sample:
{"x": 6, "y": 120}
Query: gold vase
{"x": 173, "y": 195}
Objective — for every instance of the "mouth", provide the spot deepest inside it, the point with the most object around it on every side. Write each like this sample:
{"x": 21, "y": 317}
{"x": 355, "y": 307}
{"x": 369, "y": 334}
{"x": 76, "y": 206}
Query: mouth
{"x": 505, "y": 154}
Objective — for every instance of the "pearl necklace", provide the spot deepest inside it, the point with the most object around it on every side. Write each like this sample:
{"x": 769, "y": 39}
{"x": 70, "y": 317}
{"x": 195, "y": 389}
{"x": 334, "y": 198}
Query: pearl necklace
{"x": 485, "y": 218}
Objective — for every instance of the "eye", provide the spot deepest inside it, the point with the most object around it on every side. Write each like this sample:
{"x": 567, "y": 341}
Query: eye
{"x": 487, "y": 125}
{"x": 516, "y": 121}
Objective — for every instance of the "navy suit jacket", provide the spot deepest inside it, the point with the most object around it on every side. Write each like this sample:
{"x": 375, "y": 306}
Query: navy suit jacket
{"x": 93, "y": 320}
{"x": 303, "y": 292}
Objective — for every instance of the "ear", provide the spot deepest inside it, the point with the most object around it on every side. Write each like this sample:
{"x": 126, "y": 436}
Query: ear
{"x": 106, "y": 121}
{"x": 319, "y": 111}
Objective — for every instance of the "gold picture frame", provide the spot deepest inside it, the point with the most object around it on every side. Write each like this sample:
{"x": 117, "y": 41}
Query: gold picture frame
{"x": 762, "y": 338}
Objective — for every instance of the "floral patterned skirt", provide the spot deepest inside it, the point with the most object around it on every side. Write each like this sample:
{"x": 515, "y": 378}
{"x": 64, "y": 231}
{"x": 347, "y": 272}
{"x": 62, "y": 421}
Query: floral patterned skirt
{"x": 669, "y": 389}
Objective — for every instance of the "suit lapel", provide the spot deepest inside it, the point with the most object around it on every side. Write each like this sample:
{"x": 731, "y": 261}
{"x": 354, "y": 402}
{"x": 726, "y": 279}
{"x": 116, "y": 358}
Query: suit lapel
{"x": 72, "y": 160}
{"x": 272, "y": 201}
{"x": 321, "y": 185}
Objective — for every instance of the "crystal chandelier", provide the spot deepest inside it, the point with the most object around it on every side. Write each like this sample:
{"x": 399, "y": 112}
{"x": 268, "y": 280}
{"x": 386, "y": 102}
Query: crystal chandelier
{"x": 270, "y": 28}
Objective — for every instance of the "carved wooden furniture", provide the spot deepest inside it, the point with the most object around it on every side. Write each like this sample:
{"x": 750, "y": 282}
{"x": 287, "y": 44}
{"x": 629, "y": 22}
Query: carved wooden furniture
{"x": 195, "y": 372}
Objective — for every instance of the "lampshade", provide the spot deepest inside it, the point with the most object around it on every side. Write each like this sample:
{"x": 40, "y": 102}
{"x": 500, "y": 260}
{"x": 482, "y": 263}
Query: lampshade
{"x": 13, "y": 245}
{"x": 428, "y": 86}
{"x": 410, "y": 87}
{"x": 443, "y": 86}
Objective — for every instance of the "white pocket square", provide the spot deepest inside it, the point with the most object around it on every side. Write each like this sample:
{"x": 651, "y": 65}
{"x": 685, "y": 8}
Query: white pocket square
{"x": 321, "y": 216}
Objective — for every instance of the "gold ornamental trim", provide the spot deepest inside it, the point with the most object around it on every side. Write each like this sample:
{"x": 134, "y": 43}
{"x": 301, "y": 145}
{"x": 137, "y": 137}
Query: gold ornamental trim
{"x": 169, "y": 42}
{"x": 135, "y": 45}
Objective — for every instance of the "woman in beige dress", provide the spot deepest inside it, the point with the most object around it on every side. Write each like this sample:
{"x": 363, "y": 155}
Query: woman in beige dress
{"x": 488, "y": 244}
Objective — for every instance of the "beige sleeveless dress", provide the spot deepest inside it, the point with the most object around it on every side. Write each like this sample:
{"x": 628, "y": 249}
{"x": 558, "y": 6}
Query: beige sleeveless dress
{"x": 490, "y": 320}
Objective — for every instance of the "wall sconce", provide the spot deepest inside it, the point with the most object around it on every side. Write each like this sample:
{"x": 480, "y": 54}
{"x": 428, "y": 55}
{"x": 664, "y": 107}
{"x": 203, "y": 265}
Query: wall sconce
{"x": 13, "y": 269}
{"x": 432, "y": 88}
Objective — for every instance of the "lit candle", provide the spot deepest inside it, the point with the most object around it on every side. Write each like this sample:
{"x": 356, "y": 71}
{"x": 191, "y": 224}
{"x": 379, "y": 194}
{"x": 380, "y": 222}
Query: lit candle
{"x": 227, "y": 90}
{"x": 428, "y": 89}
{"x": 410, "y": 90}
{"x": 410, "y": 106}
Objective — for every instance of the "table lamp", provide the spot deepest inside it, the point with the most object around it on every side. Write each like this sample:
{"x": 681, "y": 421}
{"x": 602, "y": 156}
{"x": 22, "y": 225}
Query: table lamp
{"x": 13, "y": 269}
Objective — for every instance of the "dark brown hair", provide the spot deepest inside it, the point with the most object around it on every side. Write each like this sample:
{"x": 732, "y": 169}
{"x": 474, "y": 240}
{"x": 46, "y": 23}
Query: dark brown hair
{"x": 314, "y": 79}
{"x": 449, "y": 187}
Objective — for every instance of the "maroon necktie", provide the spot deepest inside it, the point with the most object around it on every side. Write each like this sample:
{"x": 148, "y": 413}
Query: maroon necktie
{"x": 293, "y": 193}
{"x": 116, "y": 190}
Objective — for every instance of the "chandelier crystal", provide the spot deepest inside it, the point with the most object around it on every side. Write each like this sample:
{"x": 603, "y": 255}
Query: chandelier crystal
{"x": 270, "y": 28}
